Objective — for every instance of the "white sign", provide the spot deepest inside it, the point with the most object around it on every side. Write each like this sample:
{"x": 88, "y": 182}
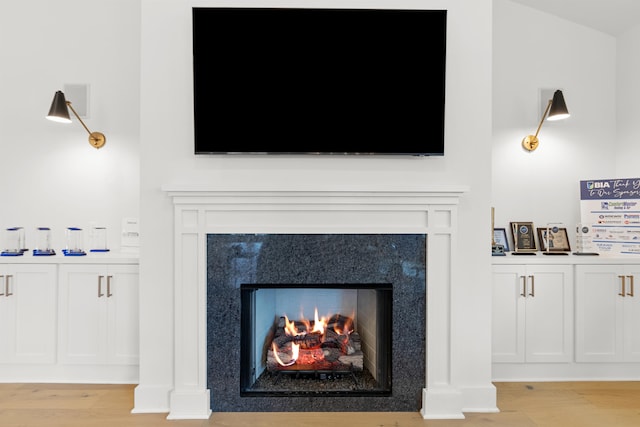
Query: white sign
{"x": 610, "y": 209}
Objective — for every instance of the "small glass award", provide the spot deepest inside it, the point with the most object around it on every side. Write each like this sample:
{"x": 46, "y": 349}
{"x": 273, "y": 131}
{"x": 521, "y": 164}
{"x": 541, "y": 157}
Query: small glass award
{"x": 99, "y": 239}
{"x": 584, "y": 241}
{"x": 14, "y": 242}
{"x": 74, "y": 242}
{"x": 43, "y": 242}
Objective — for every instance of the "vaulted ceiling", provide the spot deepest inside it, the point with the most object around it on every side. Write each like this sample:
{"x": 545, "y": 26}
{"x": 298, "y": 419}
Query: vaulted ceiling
{"x": 613, "y": 17}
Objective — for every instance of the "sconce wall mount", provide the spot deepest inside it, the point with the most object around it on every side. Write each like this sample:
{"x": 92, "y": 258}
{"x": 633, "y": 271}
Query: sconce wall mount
{"x": 59, "y": 112}
{"x": 556, "y": 110}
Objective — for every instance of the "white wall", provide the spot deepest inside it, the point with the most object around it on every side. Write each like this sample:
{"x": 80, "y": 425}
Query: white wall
{"x": 628, "y": 108}
{"x": 598, "y": 74}
{"x": 166, "y": 121}
{"x": 49, "y": 174}
{"x": 534, "y": 50}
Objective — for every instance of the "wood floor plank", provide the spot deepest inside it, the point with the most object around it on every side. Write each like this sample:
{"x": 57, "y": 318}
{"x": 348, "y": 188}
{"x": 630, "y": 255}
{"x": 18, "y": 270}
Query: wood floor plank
{"x": 531, "y": 404}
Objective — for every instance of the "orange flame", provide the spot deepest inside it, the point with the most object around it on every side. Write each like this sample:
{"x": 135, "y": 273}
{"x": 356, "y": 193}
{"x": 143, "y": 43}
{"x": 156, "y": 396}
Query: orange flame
{"x": 346, "y": 329}
{"x": 295, "y": 349}
{"x": 319, "y": 325}
{"x": 290, "y": 327}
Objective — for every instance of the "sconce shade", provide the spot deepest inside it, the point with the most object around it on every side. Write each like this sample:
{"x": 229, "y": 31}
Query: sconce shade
{"x": 558, "y": 109}
{"x": 59, "y": 111}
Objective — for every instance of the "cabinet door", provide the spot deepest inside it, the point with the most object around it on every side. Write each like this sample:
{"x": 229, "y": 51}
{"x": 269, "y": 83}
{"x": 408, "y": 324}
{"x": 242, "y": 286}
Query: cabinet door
{"x": 122, "y": 317}
{"x": 549, "y": 313}
{"x": 599, "y": 313}
{"x": 508, "y": 315}
{"x": 99, "y": 314}
{"x": 28, "y": 313}
{"x": 632, "y": 314}
{"x": 532, "y": 313}
{"x": 82, "y": 314}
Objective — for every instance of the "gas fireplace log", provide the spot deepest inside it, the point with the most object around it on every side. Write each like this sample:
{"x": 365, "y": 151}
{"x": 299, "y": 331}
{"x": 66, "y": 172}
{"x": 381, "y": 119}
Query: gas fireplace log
{"x": 356, "y": 360}
{"x": 300, "y": 326}
{"x": 269, "y": 338}
{"x": 339, "y": 322}
{"x": 336, "y": 322}
{"x": 348, "y": 345}
{"x": 332, "y": 340}
{"x": 338, "y": 349}
{"x": 355, "y": 341}
{"x": 332, "y": 354}
{"x": 333, "y": 361}
{"x": 322, "y": 358}
{"x": 281, "y": 340}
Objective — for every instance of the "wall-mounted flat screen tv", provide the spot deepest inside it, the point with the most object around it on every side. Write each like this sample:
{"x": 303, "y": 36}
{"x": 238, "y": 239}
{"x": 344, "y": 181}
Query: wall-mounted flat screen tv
{"x": 322, "y": 81}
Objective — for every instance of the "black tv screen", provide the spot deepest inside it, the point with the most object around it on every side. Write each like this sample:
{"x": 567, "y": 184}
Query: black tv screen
{"x": 324, "y": 81}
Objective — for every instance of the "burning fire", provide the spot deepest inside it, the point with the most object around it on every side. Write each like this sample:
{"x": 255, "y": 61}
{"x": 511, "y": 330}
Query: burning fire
{"x": 346, "y": 329}
{"x": 295, "y": 350}
{"x": 290, "y": 328}
{"x": 310, "y": 337}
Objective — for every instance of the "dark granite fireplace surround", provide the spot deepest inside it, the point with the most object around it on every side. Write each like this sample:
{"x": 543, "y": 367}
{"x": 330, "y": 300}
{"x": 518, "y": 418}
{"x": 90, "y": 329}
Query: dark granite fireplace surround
{"x": 236, "y": 259}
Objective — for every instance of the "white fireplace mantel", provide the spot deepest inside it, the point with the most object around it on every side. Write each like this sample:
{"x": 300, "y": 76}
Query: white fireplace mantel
{"x": 201, "y": 211}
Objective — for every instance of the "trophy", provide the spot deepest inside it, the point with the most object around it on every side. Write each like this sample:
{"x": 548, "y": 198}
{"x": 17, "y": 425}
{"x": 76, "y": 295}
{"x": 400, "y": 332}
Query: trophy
{"x": 554, "y": 239}
{"x": 524, "y": 240}
{"x": 496, "y": 249}
{"x": 584, "y": 243}
{"x": 14, "y": 245}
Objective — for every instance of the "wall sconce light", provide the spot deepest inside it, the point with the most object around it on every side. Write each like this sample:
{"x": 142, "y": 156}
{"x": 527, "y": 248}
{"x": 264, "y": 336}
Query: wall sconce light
{"x": 60, "y": 113}
{"x": 556, "y": 110}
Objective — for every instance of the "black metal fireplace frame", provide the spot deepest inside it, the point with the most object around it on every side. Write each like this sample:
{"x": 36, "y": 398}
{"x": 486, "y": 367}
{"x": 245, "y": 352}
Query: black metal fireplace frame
{"x": 383, "y": 374}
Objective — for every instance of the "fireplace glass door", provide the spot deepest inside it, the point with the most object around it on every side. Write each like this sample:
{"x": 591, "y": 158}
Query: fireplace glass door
{"x": 315, "y": 339}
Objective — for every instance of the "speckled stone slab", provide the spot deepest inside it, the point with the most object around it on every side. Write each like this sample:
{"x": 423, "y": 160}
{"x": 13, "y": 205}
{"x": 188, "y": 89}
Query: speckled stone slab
{"x": 398, "y": 259}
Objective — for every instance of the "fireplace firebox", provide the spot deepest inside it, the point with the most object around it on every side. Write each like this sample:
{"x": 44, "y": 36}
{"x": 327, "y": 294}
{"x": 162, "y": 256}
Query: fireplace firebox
{"x": 315, "y": 339}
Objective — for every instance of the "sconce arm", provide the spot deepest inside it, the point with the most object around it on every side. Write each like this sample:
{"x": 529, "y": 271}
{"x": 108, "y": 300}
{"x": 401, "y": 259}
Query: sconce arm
{"x": 96, "y": 139}
{"x": 78, "y": 117}
{"x": 544, "y": 116}
{"x": 530, "y": 142}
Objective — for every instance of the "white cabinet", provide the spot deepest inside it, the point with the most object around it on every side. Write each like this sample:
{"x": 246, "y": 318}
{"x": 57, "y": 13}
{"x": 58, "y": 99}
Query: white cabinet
{"x": 98, "y": 321}
{"x": 532, "y": 313}
{"x": 607, "y": 313}
{"x": 27, "y": 313}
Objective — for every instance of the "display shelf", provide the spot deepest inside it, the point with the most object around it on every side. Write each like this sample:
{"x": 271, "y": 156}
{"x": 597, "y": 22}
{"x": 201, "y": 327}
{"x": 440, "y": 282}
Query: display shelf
{"x": 60, "y": 258}
{"x": 570, "y": 259}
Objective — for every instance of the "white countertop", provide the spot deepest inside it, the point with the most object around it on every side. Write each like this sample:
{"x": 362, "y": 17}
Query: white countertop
{"x": 60, "y": 258}
{"x": 540, "y": 258}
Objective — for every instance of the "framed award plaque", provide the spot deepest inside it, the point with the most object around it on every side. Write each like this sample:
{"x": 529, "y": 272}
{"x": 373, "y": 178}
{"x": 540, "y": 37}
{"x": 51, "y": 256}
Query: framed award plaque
{"x": 500, "y": 238}
{"x": 524, "y": 238}
{"x": 554, "y": 239}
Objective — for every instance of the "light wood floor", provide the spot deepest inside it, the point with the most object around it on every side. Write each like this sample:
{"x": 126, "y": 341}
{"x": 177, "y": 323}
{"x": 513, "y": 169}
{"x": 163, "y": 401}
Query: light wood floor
{"x": 575, "y": 404}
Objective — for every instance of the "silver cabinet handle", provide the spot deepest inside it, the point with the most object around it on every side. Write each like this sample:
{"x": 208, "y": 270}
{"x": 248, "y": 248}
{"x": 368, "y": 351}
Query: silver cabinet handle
{"x": 1, "y": 276}
{"x": 630, "y": 286}
{"x": 524, "y": 286}
{"x": 109, "y": 294}
{"x": 533, "y": 286}
{"x": 7, "y": 292}
{"x": 100, "y": 294}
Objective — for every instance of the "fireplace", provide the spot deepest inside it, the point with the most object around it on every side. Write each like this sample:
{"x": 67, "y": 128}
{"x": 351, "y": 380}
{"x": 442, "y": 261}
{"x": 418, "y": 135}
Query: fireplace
{"x": 373, "y": 282}
{"x": 431, "y": 212}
